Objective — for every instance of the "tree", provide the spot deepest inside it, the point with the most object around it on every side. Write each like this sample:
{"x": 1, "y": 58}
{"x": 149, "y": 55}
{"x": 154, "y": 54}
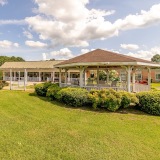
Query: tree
{"x": 156, "y": 58}
{"x": 4, "y": 59}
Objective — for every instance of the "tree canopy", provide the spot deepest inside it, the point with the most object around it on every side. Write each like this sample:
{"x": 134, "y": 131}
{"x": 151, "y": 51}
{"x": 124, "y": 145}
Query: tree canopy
{"x": 4, "y": 59}
{"x": 156, "y": 58}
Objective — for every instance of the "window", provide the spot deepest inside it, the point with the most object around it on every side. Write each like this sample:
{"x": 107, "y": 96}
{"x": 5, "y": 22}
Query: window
{"x": 138, "y": 75}
{"x": 123, "y": 76}
{"x": 157, "y": 76}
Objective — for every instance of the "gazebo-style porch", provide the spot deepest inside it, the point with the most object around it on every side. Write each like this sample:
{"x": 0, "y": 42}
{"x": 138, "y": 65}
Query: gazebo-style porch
{"x": 100, "y": 60}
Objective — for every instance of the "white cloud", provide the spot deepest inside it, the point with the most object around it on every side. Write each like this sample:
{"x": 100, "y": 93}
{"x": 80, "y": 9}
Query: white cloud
{"x": 143, "y": 54}
{"x": 16, "y": 45}
{"x": 144, "y": 19}
{"x": 44, "y": 56}
{"x": 8, "y": 44}
{"x": 14, "y": 21}
{"x": 73, "y": 24}
{"x": 130, "y": 46}
{"x": 3, "y": 2}
{"x": 27, "y": 34}
{"x": 35, "y": 44}
{"x": 63, "y": 53}
{"x": 85, "y": 51}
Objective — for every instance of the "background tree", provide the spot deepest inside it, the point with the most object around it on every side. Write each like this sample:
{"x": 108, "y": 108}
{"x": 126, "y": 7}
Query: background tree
{"x": 4, "y": 59}
{"x": 156, "y": 58}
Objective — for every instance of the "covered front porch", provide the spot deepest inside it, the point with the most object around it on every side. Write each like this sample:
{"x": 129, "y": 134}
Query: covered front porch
{"x": 91, "y": 78}
{"x": 91, "y": 64}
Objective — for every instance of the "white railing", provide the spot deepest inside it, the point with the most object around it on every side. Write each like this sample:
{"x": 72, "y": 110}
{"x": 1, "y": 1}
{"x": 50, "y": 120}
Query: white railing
{"x": 33, "y": 79}
{"x": 141, "y": 87}
{"x": 103, "y": 87}
{"x": 94, "y": 87}
{"x": 13, "y": 78}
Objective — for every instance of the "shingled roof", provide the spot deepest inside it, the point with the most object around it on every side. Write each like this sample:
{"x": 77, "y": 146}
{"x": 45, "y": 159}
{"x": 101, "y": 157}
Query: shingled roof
{"x": 99, "y": 55}
{"x": 30, "y": 64}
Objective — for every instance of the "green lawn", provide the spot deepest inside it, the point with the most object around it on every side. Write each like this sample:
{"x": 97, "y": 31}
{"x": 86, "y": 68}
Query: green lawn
{"x": 156, "y": 85}
{"x": 34, "y": 128}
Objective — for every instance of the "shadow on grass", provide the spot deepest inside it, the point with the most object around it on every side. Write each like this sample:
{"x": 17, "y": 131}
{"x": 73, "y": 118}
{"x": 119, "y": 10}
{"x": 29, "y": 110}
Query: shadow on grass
{"x": 130, "y": 110}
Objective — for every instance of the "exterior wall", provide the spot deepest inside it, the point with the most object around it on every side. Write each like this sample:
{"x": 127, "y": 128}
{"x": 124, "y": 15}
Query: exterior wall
{"x": 153, "y": 75}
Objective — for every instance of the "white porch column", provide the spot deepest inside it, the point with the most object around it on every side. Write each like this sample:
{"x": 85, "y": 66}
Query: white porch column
{"x": 19, "y": 76}
{"x": 60, "y": 77}
{"x": 107, "y": 76}
{"x": 129, "y": 79}
{"x": 85, "y": 77}
{"x": 39, "y": 77}
{"x": 66, "y": 76}
{"x": 4, "y": 76}
{"x": 53, "y": 75}
{"x": 69, "y": 76}
{"x": 81, "y": 77}
{"x": 149, "y": 78}
{"x": 25, "y": 79}
{"x": 14, "y": 75}
{"x": 97, "y": 75}
{"x": 10, "y": 79}
{"x": 134, "y": 79}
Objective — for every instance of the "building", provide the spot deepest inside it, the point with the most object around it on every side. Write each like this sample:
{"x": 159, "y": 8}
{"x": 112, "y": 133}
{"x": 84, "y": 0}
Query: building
{"x": 35, "y": 71}
{"x": 79, "y": 70}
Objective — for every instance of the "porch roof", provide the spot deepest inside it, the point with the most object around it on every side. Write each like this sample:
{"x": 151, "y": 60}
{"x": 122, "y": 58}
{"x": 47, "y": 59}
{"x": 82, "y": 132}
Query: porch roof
{"x": 30, "y": 65}
{"x": 103, "y": 57}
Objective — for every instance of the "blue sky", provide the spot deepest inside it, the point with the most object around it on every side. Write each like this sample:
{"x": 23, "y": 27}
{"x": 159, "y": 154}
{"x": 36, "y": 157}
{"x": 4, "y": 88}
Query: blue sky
{"x": 45, "y": 29}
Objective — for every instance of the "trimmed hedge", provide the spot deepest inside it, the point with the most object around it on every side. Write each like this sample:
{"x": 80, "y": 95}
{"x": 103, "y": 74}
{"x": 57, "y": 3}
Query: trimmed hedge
{"x": 111, "y": 99}
{"x": 127, "y": 99}
{"x": 76, "y": 97}
{"x": 149, "y": 102}
{"x": 53, "y": 90}
{"x": 41, "y": 89}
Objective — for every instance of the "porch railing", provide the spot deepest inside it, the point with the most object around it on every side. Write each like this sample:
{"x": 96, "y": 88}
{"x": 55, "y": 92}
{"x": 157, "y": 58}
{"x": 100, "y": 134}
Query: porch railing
{"x": 141, "y": 87}
{"x": 94, "y": 87}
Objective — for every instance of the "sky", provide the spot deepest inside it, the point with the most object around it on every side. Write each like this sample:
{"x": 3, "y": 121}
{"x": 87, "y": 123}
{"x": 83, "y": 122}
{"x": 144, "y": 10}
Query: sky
{"x": 62, "y": 29}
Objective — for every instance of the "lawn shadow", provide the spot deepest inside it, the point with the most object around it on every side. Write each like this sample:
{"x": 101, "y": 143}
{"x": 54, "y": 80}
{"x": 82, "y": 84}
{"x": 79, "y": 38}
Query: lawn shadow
{"x": 130, "y": 110}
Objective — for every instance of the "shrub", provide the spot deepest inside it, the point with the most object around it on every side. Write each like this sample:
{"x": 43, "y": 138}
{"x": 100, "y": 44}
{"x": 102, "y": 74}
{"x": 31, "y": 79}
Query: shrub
{"x": 109, "y": 99}
{"x": 76, "y": 97}
{"x": 127, "y": 99}
{"x": 149, "y": 102}
{"x": 3, "y": 83}
{"x": 41, "y": 89}
{"x": 52, "y": 91}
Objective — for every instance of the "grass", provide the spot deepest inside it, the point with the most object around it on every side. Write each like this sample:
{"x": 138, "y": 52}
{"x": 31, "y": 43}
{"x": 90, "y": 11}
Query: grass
{"x": 34, "y": 128}
{"x": 155, "y": 85}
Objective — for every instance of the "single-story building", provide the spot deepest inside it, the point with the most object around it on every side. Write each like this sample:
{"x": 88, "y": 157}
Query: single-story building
{"x": 36, "y": 71}
{"x": 134, "y": 74}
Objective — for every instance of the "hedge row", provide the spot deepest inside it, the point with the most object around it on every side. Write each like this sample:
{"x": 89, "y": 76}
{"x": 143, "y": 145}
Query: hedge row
{"x": 110, "y": 99}
{"x": 78, "y": 97}
{"x": 149, "y": 102}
